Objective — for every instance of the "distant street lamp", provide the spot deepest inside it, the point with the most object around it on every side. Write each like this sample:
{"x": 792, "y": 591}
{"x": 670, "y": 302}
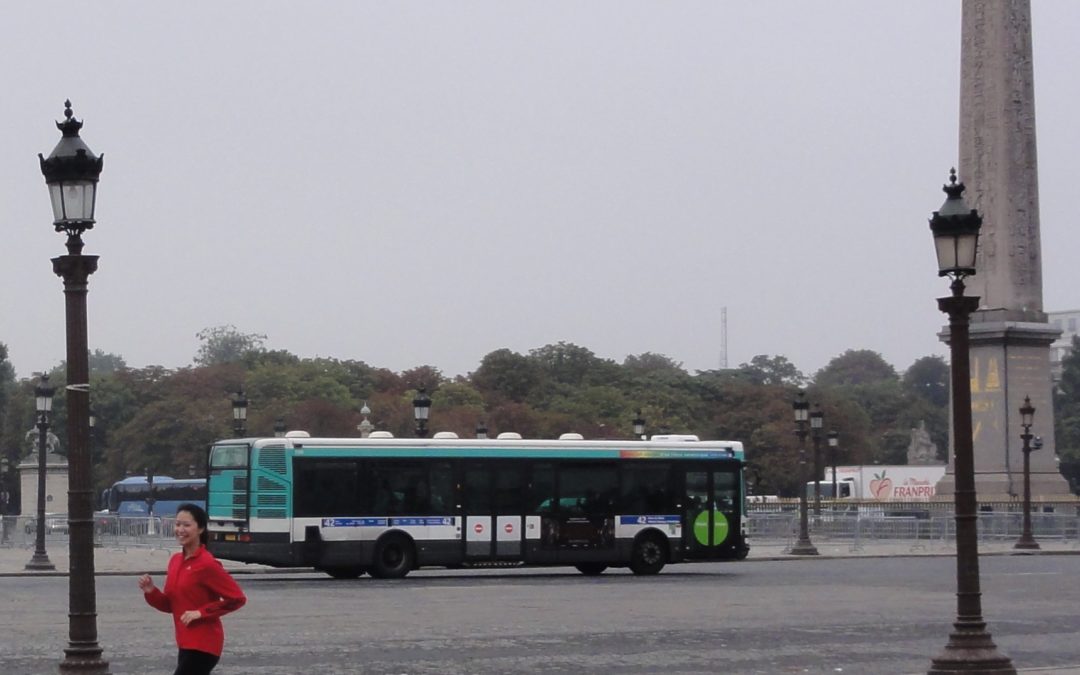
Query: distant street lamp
{"x": 639, "y": 426}
{"x": 5, "y": 495}
{"x": 43, "y": 397}
{"x": 817, "y": 421}
{"x": 1027, "y": 416}
{"x": 279, "y": 427}
{"x": 803, "y": 545}
{"x": 834, "y": 444}
{"x": 365, "y": 427}
{"x": 91, "y": 440}
{"x": 481, "y": 430}
{"x": 970, "y": 648}
{"x": 239, "y": 413}
{"x": 421, "y": 410}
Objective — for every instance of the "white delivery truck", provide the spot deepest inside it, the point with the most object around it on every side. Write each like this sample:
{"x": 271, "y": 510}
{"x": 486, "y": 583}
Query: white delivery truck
{"x": 893, "y": 482}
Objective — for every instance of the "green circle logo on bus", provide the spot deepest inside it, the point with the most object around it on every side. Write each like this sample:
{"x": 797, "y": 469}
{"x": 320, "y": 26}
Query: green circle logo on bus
{"x": 701, "y": 528}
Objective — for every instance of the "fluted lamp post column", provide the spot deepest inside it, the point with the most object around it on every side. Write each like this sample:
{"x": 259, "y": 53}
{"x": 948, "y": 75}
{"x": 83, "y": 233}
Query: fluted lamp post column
{"x": 803, "y": 546}
{"x": 71, "y": 172}
{"x": 1027, "y": 416}
{"x": 43, "y": 398}
{"x": 421, "y": 410}
{"x": 239, "y": 410}
{"x": 970, "y": 648}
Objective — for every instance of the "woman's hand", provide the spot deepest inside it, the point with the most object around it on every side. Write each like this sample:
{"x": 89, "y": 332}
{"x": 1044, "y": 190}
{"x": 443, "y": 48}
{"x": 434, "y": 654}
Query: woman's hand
{"x": 191, "y": 615}
{"x": 146, "y": 584}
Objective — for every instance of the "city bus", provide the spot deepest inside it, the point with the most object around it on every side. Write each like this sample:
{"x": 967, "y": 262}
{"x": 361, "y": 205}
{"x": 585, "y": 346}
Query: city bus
{"x": 141, "y": 496}
{"x": 386, "y": 506}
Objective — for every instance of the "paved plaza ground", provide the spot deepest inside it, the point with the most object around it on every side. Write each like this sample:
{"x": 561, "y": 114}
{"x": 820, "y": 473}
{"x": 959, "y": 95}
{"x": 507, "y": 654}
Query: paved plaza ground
{"x": 883, "y": 608}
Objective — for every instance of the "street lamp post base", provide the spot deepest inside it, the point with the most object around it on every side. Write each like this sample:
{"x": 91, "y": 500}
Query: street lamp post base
{"x": 1027, "y": 543}
{"x": 803, "y": 548}
{"x": 971, "y": 650}
{"x": 40, "y": 563}
{"x": 84, "y": 660}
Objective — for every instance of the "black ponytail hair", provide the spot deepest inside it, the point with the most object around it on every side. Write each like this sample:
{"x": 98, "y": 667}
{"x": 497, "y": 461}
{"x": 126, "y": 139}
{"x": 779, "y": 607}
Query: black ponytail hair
{"x": 201, "y": 519}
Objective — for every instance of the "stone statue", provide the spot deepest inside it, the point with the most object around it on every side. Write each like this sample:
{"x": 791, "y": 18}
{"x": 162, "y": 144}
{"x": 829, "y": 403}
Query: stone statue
{"x": 921, "y": 450}
{"x": 32, "y": 440}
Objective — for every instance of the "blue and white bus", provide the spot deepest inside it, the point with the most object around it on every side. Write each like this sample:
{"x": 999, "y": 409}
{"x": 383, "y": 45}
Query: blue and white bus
{"x": 142, "y": 496}
{"x": 386, "y": 506}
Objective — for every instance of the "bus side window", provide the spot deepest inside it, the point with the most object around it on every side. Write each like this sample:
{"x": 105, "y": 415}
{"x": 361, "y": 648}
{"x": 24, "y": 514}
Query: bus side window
{"x": 541, "y": 498}
{"x": 442, "y": 489}
{"x": 646, "y": 489}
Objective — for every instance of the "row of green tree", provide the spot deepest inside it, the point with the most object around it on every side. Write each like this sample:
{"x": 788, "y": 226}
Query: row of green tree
{"x": 163, "y": 420}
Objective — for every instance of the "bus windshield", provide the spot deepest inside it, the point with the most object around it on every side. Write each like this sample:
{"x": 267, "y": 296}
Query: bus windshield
{"x": 228, "y": 457}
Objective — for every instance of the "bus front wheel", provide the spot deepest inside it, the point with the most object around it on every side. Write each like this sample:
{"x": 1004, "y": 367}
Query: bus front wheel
{"x": 649, "y": 555}
{"x": 394, "y": 558}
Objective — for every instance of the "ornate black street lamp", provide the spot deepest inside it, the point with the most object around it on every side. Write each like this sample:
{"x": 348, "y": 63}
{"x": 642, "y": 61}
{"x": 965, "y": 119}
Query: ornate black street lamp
{"x": 71, "y": 171}
{"x": 481, "y": 430}
{"x": 239, "y": 413}
{"x": 43, "y": 398}
{"x": 802, "y": 413}
{"x": 639, "y": 426}
{"x": 421, "y": 409}
{"x": 1027, "y": 416}
{"x": 834, "y": 444}
{"x": 817, "y": 421}
{"x": 279, "y": 427}
{"x": 970, "y": 648}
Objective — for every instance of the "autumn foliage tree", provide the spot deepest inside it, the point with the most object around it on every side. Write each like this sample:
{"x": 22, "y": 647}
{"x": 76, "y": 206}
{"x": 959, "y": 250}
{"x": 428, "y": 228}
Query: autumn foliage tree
{"x": 165, "y": 419}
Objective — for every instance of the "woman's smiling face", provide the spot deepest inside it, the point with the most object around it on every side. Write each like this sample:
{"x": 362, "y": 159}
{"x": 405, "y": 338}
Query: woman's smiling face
{"x": 187, "y": 530}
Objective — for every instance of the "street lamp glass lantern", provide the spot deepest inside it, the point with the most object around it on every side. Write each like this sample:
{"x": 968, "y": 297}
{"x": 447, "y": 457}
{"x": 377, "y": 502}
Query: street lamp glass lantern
{"x": 834, "y": 439}
{"x": 956, "y": 232}
{"x": 481, "y": 430}
{"x": 1027, "y": 413}
{"x": 71, "y": 171}
{"x": 639, "y": 424}
{"x": 43, "y": 395}
{"x": 817, "y": 419}
{"x": 239, "y": 406}
{"x": 801, "y": 407}
{"x": 421, "y": 405}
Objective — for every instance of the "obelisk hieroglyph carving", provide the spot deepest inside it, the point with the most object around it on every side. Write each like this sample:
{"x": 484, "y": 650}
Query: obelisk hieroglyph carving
{"x": 1010, "y": 336}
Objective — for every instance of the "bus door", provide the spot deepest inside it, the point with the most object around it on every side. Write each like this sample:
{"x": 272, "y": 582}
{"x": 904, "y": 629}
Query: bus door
{"x": 493, "y": 511}
{"x": 711, "y": 512}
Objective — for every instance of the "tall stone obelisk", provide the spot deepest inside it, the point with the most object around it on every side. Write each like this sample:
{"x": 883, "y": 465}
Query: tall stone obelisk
{"x": 1010, "y": 336}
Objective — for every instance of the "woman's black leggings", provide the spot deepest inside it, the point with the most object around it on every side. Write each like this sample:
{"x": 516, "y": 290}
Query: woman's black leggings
{"x": 194, "y": 662}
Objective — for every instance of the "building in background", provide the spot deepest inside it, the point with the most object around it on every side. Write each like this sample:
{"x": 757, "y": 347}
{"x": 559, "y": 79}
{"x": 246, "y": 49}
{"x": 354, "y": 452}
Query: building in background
{"x": 1068, "y": 322}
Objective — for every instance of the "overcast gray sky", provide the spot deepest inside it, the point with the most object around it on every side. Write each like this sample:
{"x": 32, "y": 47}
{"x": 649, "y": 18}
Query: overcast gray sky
{"x": 411, "y": 183}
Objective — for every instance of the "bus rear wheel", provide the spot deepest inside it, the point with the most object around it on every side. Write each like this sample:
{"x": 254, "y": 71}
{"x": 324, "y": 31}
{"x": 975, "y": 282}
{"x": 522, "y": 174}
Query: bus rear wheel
{"x": 343, "y": 572}
{"x": 591, "y": 569}
{"x": 394, "y": 558}
{"x": 649, "y": 555}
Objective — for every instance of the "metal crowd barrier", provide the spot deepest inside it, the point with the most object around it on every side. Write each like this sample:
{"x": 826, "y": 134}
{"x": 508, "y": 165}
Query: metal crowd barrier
{"x": 856, "y": 528}
{"x": 109, "y": 530}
